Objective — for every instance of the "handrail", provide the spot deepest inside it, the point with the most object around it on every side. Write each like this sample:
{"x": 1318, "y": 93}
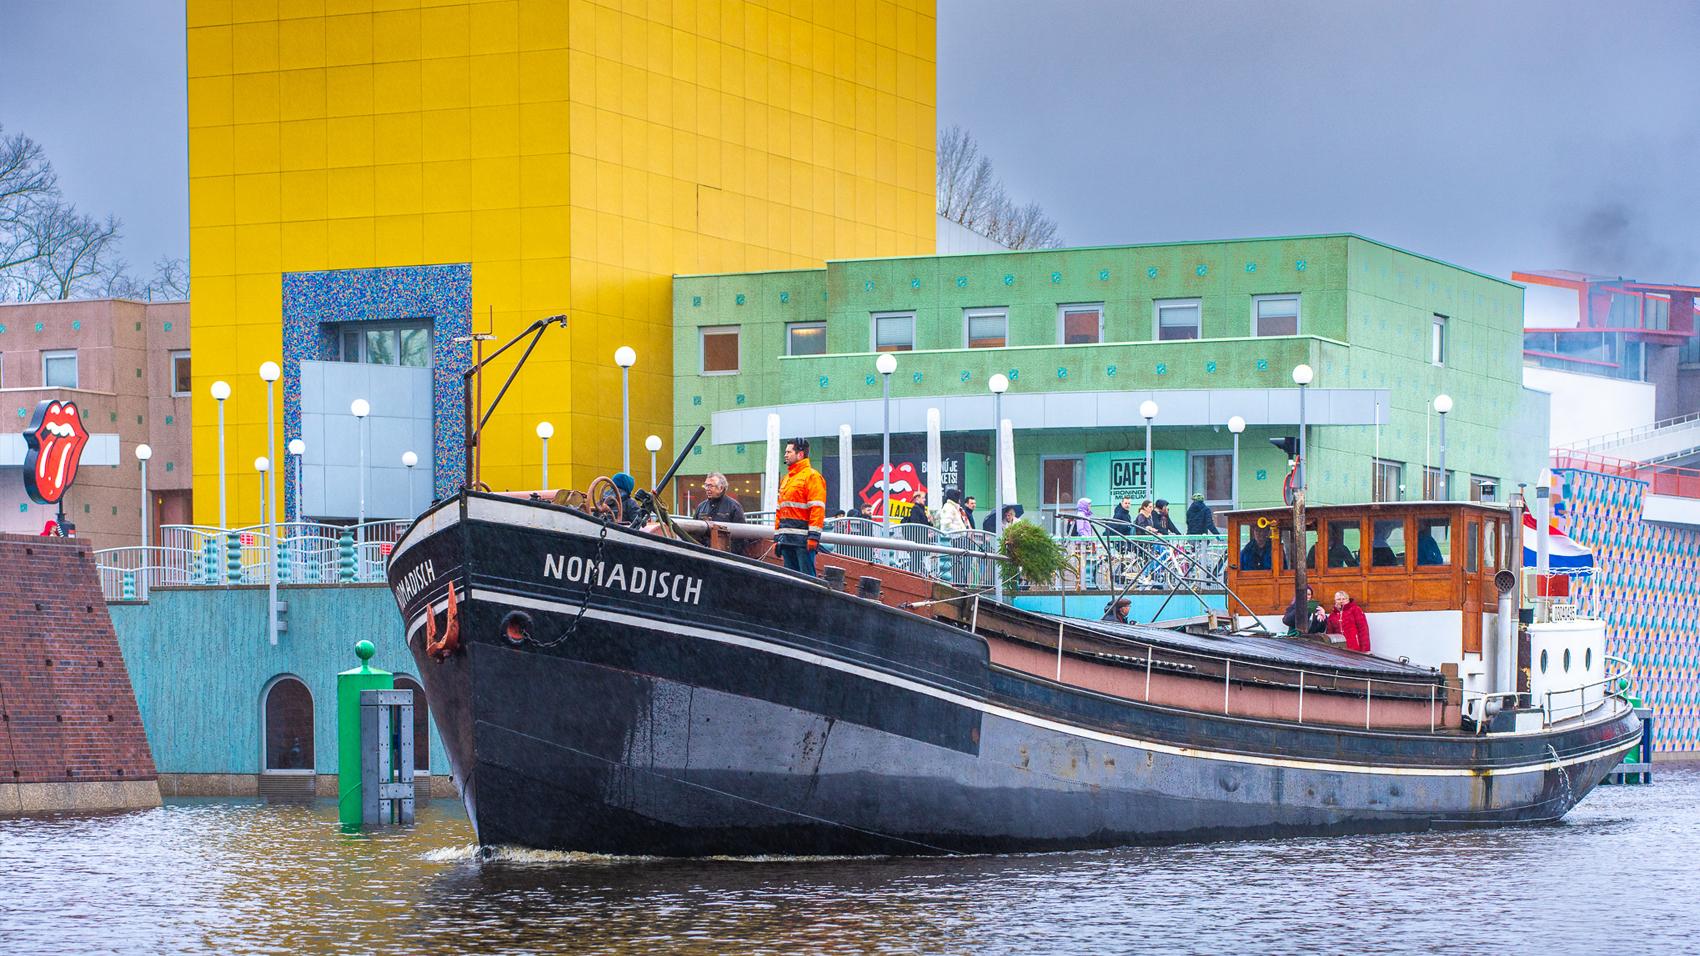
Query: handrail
{"x": 1626, "y": 435}
{"x": 306, "y": 552}
{"x": 1582, "y": 705}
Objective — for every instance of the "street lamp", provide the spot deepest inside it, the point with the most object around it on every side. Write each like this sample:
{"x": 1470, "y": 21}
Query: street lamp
{"x": 1236, "y": 425}
{"x": 408, "y": 460}
{"x": 653, "y": 443}
{"x": 545, "y": 431}
{"x": 220, "y": 392}
{"x": 625, "y": 358}
{"x": 270, "y": 373}
{"x": 885, "y": 365}
{"x": 998, "y": 383}
{"x": 360, "y": 408}
{"x": 1148, "y": 411}
{"x": 298, "y": 448}
{"x": 1442, "y": 405}
{"x": 1302, "y": 375}
{"x": 143, "y": 453}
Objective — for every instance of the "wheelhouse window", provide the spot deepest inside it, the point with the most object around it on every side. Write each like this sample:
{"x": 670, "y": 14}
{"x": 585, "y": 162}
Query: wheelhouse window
{"x": 1345, "y": 543}
{"x": 1287, "y": 541}
{"x": 1080, "y": 324}
{"x": 986, "y": 328}
{"x": 181, "y": 382}
{"x": 1490, "y": 543}
{"x": 1274, "y": 315}
{"x": 805, "y": 338}
{"x": 1177, "y": 319}
{"x": 387, "y": 343}
{"x": 894, "y": 331}
{"x": 1472, "y": 545}
{"x": 1387, "y": 543}
{"x": 719, "y": 350}
{"x": 1437, "y": 341}
{"x": 1255, "y": 547}
{"x": 59, "y": 368}
{"x": 1434, "y": 542}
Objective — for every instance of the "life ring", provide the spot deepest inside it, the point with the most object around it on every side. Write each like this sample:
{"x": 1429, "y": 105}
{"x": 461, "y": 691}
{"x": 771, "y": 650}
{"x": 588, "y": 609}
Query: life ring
{"x": 443, "y": 645}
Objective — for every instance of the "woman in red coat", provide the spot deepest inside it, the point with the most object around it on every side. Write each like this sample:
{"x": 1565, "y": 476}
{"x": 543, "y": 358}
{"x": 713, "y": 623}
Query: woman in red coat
{"x": 1348, "y": 620}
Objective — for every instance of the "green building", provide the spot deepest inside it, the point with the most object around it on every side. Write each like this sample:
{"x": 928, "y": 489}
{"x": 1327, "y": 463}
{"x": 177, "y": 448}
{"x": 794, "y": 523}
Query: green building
{"x": 1206, "y": 330}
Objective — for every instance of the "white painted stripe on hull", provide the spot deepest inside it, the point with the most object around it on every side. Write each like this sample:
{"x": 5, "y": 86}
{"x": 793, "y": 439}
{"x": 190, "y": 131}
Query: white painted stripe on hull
{"x": 1032, "y": 720}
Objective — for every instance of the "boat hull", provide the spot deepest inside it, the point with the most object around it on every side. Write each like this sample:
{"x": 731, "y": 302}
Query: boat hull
{"x": 718, "y": 706}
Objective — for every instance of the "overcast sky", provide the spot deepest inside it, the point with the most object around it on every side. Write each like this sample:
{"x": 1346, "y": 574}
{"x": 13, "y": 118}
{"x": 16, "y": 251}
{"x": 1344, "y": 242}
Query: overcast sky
{"x": 1497, "y": 135}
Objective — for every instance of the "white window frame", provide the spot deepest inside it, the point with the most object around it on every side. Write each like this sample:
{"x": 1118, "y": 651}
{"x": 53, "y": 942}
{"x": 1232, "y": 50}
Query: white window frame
{"x": 703, "y": 332}
{"x": 175, "y": 355}
{"x": 985, "y": 312}
{"x": 1438, "y": 322}
{"x": 1157, "y": 307}
{"x": 76, "y": 367}
{"x": 874, "y": 325}
{"x": 1192, "y": 466}
{"x": 1298, "y": 311}
{"x": 801, "y": 325}
{"x": 1064, "y": 308}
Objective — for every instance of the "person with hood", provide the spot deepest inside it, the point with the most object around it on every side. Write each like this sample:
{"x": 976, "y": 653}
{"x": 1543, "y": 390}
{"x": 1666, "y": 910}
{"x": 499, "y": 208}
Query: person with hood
{"x": 1199, "y": 518}
{"x": 624, "y": 485}
{"x": 1161, "y": 523}
{"x": 1314, "y": 620}
{"x": 1083, "y": 518}
{"x": 952, "y": 516}
{"x": 1348, "y": 620}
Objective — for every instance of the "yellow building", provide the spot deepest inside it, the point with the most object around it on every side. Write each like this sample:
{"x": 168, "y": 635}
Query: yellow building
{"x": 421, "y": 165}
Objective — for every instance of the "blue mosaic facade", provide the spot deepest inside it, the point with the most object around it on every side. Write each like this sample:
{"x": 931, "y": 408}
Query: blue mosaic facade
{"x": 314, "y": 303}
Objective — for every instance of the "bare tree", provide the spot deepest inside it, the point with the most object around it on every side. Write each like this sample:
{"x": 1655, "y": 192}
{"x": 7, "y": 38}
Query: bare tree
{"x": 48, "y": 249}
{"x": 170, "y": 279}
{"x": 970, "y": 193}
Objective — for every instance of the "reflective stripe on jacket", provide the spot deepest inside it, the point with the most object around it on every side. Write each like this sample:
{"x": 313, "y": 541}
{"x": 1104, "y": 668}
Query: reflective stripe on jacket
{"x": 802, "y": 505}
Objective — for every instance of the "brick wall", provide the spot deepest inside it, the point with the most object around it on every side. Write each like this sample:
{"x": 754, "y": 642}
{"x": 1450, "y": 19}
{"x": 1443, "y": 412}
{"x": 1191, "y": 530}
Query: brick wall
{"x": 68, "y": 714}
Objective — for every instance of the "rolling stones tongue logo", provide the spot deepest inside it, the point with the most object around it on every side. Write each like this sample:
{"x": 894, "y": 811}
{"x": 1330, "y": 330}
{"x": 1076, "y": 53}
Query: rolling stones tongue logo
{"x": 56, "y": 437}
{"x": 906, "y": 487}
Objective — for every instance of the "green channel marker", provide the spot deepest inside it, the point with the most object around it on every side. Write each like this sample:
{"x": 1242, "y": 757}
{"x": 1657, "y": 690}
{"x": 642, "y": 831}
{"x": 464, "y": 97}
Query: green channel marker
{"x": 349, "y": 684}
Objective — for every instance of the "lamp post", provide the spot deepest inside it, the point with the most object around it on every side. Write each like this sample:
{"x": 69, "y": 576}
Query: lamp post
{"x": 1148, "y": 411}
{"x": 298, "y": 448}
{"x": 220, "y": 392}
{"x": 625, "y": 358}
{"x": 1302, "y": 375}
{"x": 885, "y": 365}
{"x": 545, "y": 431}
{"x": 270, "y": 373}
{"x": 653, "y": 444}
{"x": 263, "y": 465}
{"x": 1236, "y": 425}
{"x": 1442, "y": 405}
{"x": 360, "y": 408}
{"x": 408, "y": 460}
{"x": 999, "y": 384}
{"x": 143, "y": 453}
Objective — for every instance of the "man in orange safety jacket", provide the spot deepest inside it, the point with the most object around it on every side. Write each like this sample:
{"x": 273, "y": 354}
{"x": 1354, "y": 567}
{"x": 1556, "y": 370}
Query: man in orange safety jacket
{"x": 802, "y": 509}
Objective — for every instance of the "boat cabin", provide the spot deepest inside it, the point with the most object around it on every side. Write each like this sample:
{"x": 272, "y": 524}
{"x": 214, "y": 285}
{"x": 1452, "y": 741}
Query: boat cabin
{"x": 1423, "y": 572}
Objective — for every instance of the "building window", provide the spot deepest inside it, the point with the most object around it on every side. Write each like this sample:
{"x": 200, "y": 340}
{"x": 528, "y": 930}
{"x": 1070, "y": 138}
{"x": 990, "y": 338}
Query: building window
{"x": 1274, "y": 315}
{"x": 985, "y": 328}
{"x": 805, "y": 338}
{"x": 894, "y": 331}
{"x": 1388, "y": 480}
{"x": 181, "y": 383}
{"x": 1436, "y": 487}
{"x": 1177, "y": 319}
{"x": 59, "y": 369}
{"x": 289, "y": 726}
{"x": 1080, "y": 324}
{"x": 1212, "y": 475}
{"x": 1437, "y": 342}
{"x": 1484, "y": 488}
{"x": 719, "y": 350}
{"x": 387, "y": 343}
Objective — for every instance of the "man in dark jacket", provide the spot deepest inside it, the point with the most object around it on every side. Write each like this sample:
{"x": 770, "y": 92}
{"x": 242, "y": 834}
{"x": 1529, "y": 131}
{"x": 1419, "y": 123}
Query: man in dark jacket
{"x": 721, "y": 507}
{"x": 1161, "y": 523}
{"x": 1199, "y": 519}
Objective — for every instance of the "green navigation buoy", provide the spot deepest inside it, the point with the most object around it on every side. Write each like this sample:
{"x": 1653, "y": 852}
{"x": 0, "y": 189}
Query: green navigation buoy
{"x": 349, "y": 684}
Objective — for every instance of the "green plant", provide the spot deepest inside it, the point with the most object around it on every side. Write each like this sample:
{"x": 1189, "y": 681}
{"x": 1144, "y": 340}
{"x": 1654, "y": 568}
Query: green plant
{"x": 1033, "y": 554}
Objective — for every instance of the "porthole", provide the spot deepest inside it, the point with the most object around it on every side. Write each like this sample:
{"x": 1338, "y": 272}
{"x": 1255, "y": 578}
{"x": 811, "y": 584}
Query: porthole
{"x": 1543, "y": 662}
{"x": 1588, "y": 659}
{"x": 1567, "y": 660}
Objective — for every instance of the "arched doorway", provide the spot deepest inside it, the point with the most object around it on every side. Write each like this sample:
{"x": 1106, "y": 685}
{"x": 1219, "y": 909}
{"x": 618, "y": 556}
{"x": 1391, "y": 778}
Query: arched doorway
{"x": 421, "y": 724}
{"x": 288, "y": 726}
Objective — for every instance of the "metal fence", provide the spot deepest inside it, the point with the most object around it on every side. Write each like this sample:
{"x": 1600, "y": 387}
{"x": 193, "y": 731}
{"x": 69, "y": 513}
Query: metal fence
{"x": 307, "y": 552}
{"x": 1143, "y": 562}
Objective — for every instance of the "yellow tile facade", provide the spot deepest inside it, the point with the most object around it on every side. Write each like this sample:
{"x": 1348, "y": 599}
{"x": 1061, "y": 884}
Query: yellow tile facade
{"x": 575, "y": 153}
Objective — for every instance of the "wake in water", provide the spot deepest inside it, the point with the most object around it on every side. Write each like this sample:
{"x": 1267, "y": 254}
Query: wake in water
{"x": 473, "y": 853}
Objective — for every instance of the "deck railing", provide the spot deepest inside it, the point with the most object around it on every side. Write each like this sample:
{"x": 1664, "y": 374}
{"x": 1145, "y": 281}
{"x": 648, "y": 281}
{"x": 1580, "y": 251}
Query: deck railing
{"x": 307, "y": 552}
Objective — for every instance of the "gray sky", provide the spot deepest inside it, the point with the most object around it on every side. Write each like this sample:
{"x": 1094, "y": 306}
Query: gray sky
{"x": 1494, "y": 134}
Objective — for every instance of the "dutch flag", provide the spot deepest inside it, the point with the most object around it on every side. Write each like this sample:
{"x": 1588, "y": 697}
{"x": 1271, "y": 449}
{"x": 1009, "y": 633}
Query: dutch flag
{"x": 1564, "y": 556}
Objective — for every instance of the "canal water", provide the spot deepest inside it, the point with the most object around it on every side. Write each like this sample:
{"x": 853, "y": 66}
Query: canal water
{"x": 205, "y": 876}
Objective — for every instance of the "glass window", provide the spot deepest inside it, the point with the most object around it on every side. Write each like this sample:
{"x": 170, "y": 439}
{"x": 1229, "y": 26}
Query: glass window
{"x": 1490, "y": 548}
{"x": 1177, "y": 319}
{"x": 59, "y": 369}
{"x": 986, "y": 328}
{"x": 805, "y": 338}
{"x": 1437, "y": 342}
{"x": 351, "y": 346}
{"x": 720, "y": 350}
{"x": 1286, "y": 535}
{"x": 1436, "y": 487}
{"x": 1483, "y": 488}
{"x": 415, "y": 347}
{"x": 1434, "y": 542}
{"x": 1213, "y": 476}
{"x": 1472, "y": 546}
{"x": 181, "y": 383}
{"x": 1275, "y": 315}
{"x": 1255, "y": 547}
{"x": 1387, "y": 543}
{"x": 1345, "y": 543}
{"x": 1389, "y": 480}
{"x": 1058, "y": 480}
{"x": 1080, "y": 324}
{"x": 381, "y": 347}
{"x": 894, "y": 331}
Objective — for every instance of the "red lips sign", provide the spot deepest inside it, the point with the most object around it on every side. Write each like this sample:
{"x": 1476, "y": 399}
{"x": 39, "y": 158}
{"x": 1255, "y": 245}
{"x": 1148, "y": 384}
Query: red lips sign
{"x": 906, "y": 490}
{"x": 56, "y": 437}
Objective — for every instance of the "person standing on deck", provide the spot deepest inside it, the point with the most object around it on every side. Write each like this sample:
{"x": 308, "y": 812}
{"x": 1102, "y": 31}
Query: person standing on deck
{"x": 1348, "y": 620}
{"x": 801, "y": 511}
{"x": 720, "y": 507}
